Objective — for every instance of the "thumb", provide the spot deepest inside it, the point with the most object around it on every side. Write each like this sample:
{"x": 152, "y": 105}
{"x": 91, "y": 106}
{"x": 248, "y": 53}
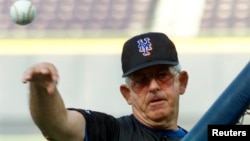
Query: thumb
{"x": 51, "y": 88}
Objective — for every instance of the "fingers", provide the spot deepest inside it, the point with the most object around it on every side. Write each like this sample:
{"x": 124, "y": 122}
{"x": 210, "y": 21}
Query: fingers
{"x": 44, "y": 75}
{"x": 41, "y": 72}
{"x": 51, "y": 88}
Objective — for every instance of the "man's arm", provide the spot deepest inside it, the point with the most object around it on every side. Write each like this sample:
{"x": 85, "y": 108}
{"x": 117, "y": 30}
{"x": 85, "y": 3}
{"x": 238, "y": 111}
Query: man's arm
{"x": 47, "y": 107}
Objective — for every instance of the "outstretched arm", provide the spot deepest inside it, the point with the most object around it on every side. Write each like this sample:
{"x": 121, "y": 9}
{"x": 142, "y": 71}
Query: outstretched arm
{"x": 47, "y": 107}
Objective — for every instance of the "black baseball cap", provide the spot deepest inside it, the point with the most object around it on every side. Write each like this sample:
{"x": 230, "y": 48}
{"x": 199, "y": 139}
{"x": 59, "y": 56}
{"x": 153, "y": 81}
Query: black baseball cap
{"x": 147, "y": 49}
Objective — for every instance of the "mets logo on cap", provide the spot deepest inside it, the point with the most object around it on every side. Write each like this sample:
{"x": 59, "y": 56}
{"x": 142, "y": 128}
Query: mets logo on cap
{"x": 144, "y": 46}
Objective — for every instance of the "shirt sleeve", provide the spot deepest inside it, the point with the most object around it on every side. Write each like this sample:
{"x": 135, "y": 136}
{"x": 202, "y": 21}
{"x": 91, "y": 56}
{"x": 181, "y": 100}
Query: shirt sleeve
{"x": 99, "y": 126}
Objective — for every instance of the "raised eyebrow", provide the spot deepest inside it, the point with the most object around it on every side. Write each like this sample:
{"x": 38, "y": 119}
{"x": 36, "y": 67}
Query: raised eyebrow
{"x": 164, "y": 72}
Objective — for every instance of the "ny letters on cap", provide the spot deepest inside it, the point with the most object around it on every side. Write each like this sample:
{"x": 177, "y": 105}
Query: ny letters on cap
{"x": 148, "y": 49}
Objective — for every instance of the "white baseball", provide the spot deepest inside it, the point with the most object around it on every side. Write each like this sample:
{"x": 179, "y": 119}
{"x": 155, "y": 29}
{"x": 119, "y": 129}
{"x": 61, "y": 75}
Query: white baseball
{"x": 22, "y": 12}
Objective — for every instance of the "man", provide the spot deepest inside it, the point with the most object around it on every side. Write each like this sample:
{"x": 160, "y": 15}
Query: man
{"x": 154, "y": 83}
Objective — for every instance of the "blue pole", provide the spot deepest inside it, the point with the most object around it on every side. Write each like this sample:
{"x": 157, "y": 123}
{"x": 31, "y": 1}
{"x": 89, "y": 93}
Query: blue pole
{"x": 227, "y": 109}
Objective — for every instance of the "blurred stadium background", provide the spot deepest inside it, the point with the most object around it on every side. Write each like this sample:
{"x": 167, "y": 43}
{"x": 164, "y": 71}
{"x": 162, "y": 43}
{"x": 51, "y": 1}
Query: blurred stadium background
{"x": 83, "y": 38}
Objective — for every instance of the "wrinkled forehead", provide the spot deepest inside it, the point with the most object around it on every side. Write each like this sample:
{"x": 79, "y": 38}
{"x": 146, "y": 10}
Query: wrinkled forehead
{"x": 151, "y": 69}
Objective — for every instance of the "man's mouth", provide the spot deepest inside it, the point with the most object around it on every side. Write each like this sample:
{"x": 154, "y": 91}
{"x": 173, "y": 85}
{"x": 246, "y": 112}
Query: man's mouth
{"x": 156, "y": 101}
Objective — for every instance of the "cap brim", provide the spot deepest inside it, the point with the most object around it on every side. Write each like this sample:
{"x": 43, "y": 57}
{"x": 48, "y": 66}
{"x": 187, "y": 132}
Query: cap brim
{"x": 148, "y": 64}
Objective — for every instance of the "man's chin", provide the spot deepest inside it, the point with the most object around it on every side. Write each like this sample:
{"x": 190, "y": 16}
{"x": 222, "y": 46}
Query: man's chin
{"x": 158, "y": 115}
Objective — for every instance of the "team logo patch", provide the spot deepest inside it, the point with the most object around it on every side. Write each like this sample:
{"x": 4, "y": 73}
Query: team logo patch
{"x": 144, "y": 46}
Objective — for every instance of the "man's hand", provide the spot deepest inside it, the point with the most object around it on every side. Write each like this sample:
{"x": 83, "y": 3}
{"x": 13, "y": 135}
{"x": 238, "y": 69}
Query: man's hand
{"x": 43, "y": 75}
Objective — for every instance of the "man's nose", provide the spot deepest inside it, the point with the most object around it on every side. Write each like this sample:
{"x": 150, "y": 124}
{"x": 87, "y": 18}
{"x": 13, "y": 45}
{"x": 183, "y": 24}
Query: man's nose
{"x": 153, "y": 85}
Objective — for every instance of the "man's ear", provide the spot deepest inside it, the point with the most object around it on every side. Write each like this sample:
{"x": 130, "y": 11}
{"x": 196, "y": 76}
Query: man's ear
{"x": 183, "y": 78}
{"x": 125, "y": 91}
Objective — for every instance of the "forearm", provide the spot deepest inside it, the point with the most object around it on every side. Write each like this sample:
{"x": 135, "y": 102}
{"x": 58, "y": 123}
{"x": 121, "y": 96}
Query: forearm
{"x": 47, "y": 107}
{"x": 47, "y": 110}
